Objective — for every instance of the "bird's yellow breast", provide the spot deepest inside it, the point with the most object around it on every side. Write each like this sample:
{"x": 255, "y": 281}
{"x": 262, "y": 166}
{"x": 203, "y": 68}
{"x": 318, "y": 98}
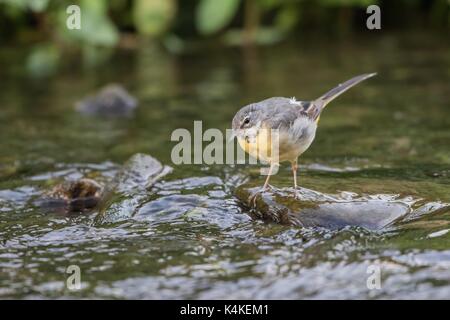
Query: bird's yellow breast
{"x": 264, "y": 146}
{"x": 260, "y": 146}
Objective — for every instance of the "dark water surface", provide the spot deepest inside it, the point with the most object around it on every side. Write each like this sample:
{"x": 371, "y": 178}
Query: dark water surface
{"x": 387, "y": 138}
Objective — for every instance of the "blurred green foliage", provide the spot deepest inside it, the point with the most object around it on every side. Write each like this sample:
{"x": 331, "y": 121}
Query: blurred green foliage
{"x": 97, "y": 28}
{"x": 177, "y": 22}
{"x": 213, "y": 15}
{"x": 153, "y": 17}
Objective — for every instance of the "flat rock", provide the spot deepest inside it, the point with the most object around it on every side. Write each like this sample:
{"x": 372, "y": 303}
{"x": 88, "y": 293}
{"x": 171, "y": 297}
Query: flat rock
{"x": 308, "y": 208}
{"x": 111, "y": 100}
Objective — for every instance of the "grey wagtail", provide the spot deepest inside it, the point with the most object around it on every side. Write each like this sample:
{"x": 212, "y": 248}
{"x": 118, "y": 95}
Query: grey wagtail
{"x": 294, "y": 121}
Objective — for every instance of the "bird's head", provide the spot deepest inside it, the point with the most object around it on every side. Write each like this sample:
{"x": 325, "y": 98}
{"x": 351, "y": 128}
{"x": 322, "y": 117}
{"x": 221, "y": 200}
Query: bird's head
{"x": 245, "y": 122}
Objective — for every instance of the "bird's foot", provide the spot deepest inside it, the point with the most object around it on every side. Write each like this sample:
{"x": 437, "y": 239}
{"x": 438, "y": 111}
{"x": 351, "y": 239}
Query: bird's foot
{"x": 252, "y": 198}
{"x": 296, "y": 193}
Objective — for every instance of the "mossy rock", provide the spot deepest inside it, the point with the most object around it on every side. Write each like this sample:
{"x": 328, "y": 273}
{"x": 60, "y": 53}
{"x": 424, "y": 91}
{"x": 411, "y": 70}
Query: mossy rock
{"x": 118, "y": 197}
{"x": 308, "y": 208}
{"x": 72, "y": 196}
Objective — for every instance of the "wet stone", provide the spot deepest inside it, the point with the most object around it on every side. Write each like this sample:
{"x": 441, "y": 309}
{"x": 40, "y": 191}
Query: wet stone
{"x": 308, "y": 208}
{"x": 111, "y": 100}
{"x": 130, "y": 187}
{"x": 72, "y": 196}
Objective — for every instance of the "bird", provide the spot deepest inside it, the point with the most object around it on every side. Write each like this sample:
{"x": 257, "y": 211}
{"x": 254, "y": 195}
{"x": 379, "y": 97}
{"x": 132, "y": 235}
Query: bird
{"x": 294, "y": 121}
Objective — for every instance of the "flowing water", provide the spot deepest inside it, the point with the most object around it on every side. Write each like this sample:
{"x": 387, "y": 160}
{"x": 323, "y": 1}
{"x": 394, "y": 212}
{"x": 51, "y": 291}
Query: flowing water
{"x": 188, "y": 236}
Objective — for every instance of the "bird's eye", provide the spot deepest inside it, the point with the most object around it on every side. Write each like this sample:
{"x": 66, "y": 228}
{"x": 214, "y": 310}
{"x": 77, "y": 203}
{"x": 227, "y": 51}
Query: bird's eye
{"x": 247, "y": 120}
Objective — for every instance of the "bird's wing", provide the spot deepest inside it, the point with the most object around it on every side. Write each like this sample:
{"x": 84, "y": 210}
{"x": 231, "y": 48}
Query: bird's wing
{"x": 280, "y": 113}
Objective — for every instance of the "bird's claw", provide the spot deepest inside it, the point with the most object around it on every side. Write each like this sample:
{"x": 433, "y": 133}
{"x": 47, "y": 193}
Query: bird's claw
{"x": 252, "y": 198}
{"x": 296, "y": 194}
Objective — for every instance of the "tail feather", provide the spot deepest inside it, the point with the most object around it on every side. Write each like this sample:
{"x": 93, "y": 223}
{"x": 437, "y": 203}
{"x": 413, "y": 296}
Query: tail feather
{"x": 337, "y": 91}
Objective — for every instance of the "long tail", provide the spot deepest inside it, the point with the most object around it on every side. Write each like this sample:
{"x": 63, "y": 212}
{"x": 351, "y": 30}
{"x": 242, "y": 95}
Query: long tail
{"x": 337, "y": 91}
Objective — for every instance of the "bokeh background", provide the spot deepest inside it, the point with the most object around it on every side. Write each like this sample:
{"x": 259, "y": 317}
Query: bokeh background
{"x": 178, "y": 25}
{"x": 188, "y": 236}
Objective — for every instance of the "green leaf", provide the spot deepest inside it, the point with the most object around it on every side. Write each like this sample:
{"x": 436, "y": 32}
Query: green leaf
{"x": 213, "y": 15}
{"x": 43, "y": 60}
{"x": 38, "y": 5}
{"x": 287, "y": 17}
{"x": 153, "y": 17}
{"x": 96, "y": 27}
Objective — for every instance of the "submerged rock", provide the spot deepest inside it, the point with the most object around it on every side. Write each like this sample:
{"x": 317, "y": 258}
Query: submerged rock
{"x": 111, "y": 100}
{"x": 118, "y": 198}
{"x": 313, "y": 209}
{"x": 72, "y": 196}
{"x": 130, "y": 187}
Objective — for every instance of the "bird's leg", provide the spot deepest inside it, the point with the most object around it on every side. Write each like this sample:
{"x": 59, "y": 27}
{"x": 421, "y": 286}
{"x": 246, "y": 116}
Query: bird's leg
{"x": 268, "y": 177}
{"x": 294, "y": 172}
{"x": 266, "y": 184}
{"x": 294, "y": 166}
{"x": 252, "y": 198}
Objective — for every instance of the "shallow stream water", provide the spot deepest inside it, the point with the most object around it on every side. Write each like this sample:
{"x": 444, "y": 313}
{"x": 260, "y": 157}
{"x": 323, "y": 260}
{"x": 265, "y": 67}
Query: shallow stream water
{"x": 189, "y": 237}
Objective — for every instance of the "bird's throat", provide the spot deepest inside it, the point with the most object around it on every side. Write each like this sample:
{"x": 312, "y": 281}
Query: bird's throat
{"x": 259, "y": 148}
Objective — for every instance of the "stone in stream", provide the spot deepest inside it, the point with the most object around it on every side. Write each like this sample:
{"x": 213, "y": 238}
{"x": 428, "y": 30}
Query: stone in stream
{"x": 125, "y": 193}
{"x": 117, "y": 199}
{"x": 72, "y": 196}
{"x": 314, "y": 209}
{"x": 111, "y": 100}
